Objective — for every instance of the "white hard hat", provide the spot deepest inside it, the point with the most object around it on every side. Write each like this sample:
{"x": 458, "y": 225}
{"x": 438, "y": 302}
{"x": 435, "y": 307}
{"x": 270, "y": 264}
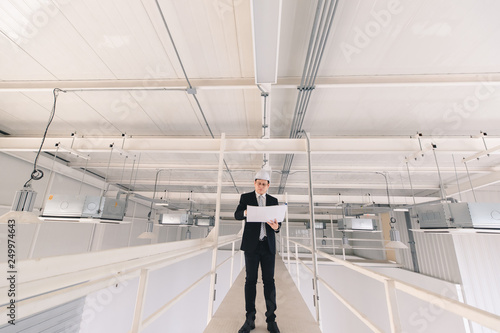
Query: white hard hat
{"x": 263, "y": 174}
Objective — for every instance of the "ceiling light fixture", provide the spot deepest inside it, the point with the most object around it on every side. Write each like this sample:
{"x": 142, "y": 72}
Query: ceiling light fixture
{"x": 148, "y": 234}
{"x": 395, "y": 242}
{"x": 266, "y": 22}
{"x": 345, "y": 241}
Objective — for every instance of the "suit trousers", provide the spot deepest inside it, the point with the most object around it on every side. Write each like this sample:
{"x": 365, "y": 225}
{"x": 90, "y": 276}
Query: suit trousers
{"x": 266, "y": 259}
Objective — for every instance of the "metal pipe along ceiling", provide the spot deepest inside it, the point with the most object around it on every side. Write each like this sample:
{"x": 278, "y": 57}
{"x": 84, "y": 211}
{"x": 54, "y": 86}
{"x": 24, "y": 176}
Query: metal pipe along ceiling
{"x": 191, "y": 90}
{"x": 325, "y": 12}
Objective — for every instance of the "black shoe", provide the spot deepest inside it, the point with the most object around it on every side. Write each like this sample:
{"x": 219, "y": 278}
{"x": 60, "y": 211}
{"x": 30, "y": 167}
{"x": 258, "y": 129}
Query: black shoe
{"x": 247, "y": 326}
{"x": 273, "y": 327}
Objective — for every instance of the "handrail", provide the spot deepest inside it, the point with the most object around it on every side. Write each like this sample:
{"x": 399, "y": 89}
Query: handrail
{"x": 179, "y": 296}
{"x": 477, "y": 315}
{"x": 51, "y": 281}
{"x": 339, "y": 238}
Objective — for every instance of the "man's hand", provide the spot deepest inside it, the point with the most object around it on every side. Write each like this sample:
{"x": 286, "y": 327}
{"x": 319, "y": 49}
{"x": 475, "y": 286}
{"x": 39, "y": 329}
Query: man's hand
{"x": 273, "y": 224}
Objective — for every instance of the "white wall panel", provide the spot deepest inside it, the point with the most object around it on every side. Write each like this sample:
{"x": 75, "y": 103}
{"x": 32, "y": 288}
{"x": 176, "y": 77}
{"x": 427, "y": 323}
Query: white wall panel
{"x": 115, "y": 235}
{"x": 477, "y": 255}
{"x": 110, "y": 309}
{"x": 436, "y": 256}
{"x": 64, "y": 318}
{"x": 368, "y": 296}
{"x": 60, "y": 238}
{"x": 24, "y": 237}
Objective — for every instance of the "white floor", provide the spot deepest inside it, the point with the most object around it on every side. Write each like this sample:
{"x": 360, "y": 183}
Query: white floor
{"x": 292, "y": 314}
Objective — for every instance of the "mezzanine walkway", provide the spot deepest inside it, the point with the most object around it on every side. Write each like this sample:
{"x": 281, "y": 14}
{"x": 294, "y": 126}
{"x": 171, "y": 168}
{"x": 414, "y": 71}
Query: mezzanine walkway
{"x": 293, "y": 315}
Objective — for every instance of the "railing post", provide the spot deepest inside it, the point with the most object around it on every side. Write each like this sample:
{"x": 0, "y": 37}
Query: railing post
{"x": 333, "y": 235}
{"x": 287, "y": 232}
{"x": 392, "y": 306}
{"x": 139, "y": 302}
{"x": 297, "y": 264}
{"x": 282, "y": 246}
{"x": 241, "y": 260}
{"x": 313, "y": 229}
{"x": 232, "y": 266}
{"x": 215, "y": 231}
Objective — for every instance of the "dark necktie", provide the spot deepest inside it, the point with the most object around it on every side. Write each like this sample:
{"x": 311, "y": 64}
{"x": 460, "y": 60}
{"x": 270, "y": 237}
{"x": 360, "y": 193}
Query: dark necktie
{"x": 263, "y": 224}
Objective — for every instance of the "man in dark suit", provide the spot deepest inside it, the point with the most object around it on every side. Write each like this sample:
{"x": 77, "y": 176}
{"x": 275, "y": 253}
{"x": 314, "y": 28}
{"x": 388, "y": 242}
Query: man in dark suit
{"x": 259, "y": 245}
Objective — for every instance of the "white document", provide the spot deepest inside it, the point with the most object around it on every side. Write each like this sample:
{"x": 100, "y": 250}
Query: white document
{"x": 264, "y": 214}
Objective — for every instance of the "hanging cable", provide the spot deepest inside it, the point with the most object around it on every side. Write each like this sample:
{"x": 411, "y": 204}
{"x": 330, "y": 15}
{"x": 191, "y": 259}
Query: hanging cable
{"x": 456, "y": 176}
{"x": 470, "y": 181}
{"x": 83, "y": 176}
{"x": 411, "y": 185}
{"x": 441, "y": 186}
{"x": 136, "y": 172}
{"x": 154, "y": 195}
{"x": 104, "y": 187}
{"x": 131, "y": 174}
{"x": 50, "y": 177}
{"x": 37, "y": 174}
{"x": 123, "y": 169}
{"x": 387, "y": 190}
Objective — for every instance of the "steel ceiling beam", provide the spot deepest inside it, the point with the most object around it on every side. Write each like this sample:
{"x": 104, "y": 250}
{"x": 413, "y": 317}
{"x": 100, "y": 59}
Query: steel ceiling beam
{"x": 318, "y": 169}
{"x": 465, "y": 186}
{"x": 486, "y": 79}
{"x": 329, "y": 185}
{"x": 232, "y": 198}
{"x": 431, "y": 80}
{"x": 354, "y": 145}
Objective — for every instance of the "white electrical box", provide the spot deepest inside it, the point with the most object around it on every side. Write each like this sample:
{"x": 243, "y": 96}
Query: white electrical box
{"x": 76, "y": 206}
{"x": 176, "y": 219}
{"x": 458, "y": 215}
{"x": 205, "y": 222}
{"x": 60, "y": 205}
{"x": 104, "y": 208}
{"x": 348, "y": 223}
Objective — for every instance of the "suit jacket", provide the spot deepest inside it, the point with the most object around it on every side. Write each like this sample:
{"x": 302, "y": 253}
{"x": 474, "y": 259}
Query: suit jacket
{"x": 251, "y": 232}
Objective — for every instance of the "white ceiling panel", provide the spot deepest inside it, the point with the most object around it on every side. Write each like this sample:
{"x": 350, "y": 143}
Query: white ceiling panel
{"x": 207, "y": 36}
{"x": 169, "y": 111}
{"x": 77, "y": 113}
{"x": 29, "y": 115}
{"x": 121, "y": 34}
{"x": 120, "y": 112}
{"x": 17, "y": 58}
{"x": 234, "y": 112}
{"x": 413, "y": 37}
{"x": 296, "y": 22}
{"x": 403, "y": 111}
{"x": 43, "y": 32}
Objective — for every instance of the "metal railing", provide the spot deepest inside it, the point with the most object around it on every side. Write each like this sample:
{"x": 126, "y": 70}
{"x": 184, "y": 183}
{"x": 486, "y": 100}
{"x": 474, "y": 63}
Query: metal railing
{"x": 391, "y": 285}
{"x": 49, "y": 282}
